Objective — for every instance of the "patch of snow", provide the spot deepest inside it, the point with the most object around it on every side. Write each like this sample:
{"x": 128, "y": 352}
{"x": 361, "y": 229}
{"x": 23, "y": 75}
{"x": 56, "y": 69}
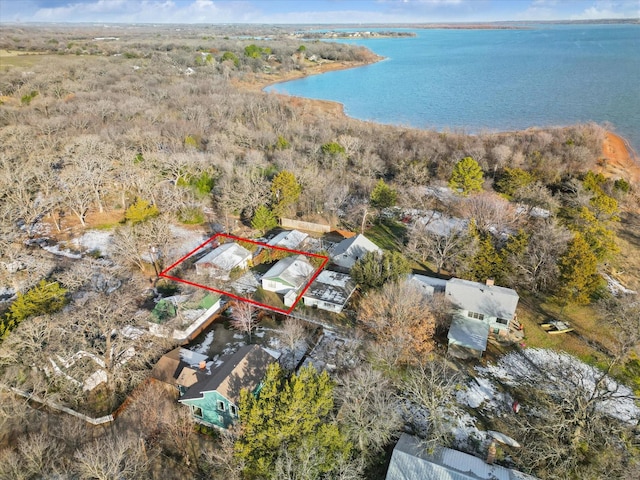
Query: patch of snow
{"x": 203, "y": 348}
{"x": 465, "y": 432}
{"x": 95, "y": 240}
{"x": 238, "y": 336}
{"x": 560, "y": 373}
{"x": 56, "y": 250}
{"x": 478, "y": 391}
{"x": 131, "y": 332}
{"x": 247, "y": 283}
{"x": 615, "y": 287}
{"x": 6, "y": 294}
{"x": 185, "y": 241}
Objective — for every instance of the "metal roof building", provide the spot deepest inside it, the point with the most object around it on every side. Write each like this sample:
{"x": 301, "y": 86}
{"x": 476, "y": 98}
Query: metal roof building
{"x": 410, "y": 461}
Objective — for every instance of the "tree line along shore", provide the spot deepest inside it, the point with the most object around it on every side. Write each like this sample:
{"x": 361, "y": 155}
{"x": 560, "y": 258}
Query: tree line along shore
{"x": 139, "y": 132}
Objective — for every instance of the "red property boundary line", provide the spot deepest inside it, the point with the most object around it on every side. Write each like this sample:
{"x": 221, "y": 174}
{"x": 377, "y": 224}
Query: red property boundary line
{"x": 165, "y": 272}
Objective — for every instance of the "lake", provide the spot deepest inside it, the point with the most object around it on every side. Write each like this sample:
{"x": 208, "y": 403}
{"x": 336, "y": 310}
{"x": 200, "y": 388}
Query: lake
{"x": 493, "y": 80}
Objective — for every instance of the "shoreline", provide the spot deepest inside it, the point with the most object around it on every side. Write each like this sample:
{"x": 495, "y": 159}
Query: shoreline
{"x": 619, "y": 157}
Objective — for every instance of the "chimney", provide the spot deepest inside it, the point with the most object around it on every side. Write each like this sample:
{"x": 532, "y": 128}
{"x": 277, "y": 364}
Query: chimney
{"x": 489, "y": 282}
{"x": 491, "y": 453}
{"x": 203, "y": 365}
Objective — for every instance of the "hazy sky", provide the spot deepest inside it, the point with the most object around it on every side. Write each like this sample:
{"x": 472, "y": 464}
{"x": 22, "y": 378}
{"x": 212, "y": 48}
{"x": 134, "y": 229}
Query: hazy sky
{"x": 311, "y": 11}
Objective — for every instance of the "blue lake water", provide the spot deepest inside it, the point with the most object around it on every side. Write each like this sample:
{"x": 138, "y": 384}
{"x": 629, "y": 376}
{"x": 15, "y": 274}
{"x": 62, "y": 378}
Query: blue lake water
{"x": 493, "y": 80}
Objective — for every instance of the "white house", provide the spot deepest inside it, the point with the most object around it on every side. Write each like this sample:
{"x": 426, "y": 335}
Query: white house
{"x": 220, "y": 261}
{"x": 290, "y": 273}
{"x": 481, "y": 309}
{"x": 329, "y": 291}
{"x": 288, "y": 239}
{"x": 350, "y": 250}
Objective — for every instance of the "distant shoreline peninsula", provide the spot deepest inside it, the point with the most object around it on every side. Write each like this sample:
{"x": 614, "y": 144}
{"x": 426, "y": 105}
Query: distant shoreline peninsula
{"x": 618, "y": 154}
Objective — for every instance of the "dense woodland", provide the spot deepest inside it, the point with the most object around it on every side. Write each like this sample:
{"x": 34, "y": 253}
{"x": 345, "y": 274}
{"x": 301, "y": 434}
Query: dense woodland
{"x": 136, "y": 129}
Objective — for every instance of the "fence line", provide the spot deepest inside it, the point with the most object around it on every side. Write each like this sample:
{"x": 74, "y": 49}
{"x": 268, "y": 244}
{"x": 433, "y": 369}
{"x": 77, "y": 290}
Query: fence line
{"x": 61, "y": 408}
{"x": 308, "y": 226}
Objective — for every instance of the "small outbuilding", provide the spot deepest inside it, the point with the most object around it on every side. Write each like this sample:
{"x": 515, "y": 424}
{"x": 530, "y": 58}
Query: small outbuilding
{"x": 220, "y": 261}
{"x": 329, "y": 291}
{"x": 288, "y": 239}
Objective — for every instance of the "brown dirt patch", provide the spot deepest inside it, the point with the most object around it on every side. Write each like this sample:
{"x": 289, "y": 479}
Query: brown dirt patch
{"x": 619, "y": 160}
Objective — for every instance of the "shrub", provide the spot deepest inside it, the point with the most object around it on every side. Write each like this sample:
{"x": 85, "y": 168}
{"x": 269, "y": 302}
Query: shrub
{"x": 140, "y": 211}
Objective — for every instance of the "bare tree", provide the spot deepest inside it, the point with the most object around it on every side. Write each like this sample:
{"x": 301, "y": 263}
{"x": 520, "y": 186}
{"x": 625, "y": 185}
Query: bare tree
{"x": 489, "y": 211}
{"x": 431, "y": 385}
{"x": 537, "y": 268}
{"x": 179, "y": 429}
{"x": 399, "y": 318}
{"x": 368, "y": 410}
{"x": 292, "y": 332}
{"x": 220, "y": 460}
{"x": 444, "y": 248}
{"x": 112, "y": 457}
{"x": 244, "y": 318}
{"x": 142, "y": 244}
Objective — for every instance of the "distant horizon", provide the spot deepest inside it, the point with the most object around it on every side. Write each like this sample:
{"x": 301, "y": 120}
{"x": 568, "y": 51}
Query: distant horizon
{"x": 341, "y": 25}
{"x": 313, "y": 12}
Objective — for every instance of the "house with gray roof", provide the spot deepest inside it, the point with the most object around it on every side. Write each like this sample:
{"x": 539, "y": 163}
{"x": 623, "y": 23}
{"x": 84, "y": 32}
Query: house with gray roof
{"x": 221, "y": 260}
{"x": 481, "y": 309}
{"x": 289, "y": 274}
{"x": 288, "y": 239}
{"x": 329, "y": 291}
{"x": 427, "y": 285}
{"x": 410, "y": 461}
{"x": 346, "y": 253}
{"x": 214, "y": 398}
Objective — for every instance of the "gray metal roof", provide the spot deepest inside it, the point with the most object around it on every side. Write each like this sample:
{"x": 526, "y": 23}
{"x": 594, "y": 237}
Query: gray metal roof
{"x": 331, "y": 287}
{"x": 350, "y": 250}
{"x": 469, "y": 333}
{"x": 491, "y": 300}
{"x": 295, "y": 271}
{"x": 410, "y": 461}
{"x": 226, "y": 257}
{"x": 288, "y": 239}
{"x": 428, "y": 285}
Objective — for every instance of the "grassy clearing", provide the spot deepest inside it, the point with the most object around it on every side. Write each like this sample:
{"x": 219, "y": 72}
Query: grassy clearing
{"x": 12, "y": 58}
{"x": 388, "y": 234}
{"x": 626, "y": 266}
{"x": 533, "y": 311}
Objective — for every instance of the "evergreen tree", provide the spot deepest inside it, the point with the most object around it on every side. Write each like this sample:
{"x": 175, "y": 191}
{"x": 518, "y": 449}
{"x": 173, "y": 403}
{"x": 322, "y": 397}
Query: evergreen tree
{"x": 383, "y": 195}
{"x": 513, "y": 179}
{"x": 285, "y": 191}
{"x": 288, "y": 418}
{"x": 46, "y": 297}
{"x": 578, "y": 267}
{"x": 487, "y": 262}
{"x": 375, "y": 269}
{"x": 263, "y": 219}
{"x": 466, "y": 177}
{"x": 600, "y": 239}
